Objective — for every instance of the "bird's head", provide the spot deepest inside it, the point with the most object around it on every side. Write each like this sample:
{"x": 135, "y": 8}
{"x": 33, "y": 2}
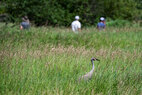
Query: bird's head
{"x": 95, "y": 59}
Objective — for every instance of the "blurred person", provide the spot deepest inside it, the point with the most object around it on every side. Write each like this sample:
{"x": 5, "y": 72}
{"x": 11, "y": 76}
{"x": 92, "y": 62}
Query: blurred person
{"x": 25, "y": 24}
{"x": 76, "y": 25}
{"x": 101, "y": 25}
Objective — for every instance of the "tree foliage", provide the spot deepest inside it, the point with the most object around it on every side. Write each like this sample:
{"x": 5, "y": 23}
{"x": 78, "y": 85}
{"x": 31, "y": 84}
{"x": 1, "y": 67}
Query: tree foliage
{"x": 62, "y": 12}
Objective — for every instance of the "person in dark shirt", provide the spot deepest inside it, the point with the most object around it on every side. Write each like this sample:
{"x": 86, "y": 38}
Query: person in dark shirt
{"x": 101, "y": 25}
{"x": 25, "y": 24}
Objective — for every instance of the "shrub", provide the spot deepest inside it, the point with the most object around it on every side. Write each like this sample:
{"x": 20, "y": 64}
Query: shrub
{"x": 118, "y": 23}
{"x": 62, "y": 12}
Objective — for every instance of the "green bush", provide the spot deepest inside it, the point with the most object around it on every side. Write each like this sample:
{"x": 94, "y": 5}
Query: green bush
{"x": 2, "y": 9}
{"x": 118, "y": 23}
{"x": 62, "y": 12}
{"x": 45, "y": 12}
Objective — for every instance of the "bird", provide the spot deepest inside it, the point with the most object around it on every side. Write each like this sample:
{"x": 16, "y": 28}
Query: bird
{"x": 89, "y": 74}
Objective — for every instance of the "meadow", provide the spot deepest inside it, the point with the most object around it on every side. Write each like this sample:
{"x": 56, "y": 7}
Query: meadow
{"x": 49, "y": 61}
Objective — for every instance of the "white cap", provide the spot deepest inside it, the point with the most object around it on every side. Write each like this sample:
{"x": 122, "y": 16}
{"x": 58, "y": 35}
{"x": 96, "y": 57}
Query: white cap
{"x": 102, "y": 18}
{"x": 77, "y": 17}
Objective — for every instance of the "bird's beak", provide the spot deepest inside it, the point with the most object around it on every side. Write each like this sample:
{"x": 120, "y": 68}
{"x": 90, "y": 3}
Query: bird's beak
{"x": 97, "y": 59}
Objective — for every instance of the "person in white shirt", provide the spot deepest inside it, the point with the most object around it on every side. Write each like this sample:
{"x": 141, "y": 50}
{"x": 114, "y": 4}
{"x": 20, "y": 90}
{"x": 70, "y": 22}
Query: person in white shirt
{"x": 76, "y": 25}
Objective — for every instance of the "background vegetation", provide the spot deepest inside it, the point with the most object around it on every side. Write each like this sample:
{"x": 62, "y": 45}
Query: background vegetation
{"x": 49, "y": 61}
{"x": 62, "y": 12}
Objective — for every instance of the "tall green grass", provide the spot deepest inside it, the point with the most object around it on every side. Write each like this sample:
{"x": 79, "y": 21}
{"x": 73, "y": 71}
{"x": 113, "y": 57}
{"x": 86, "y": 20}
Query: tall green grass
{"x": 49, "y": 61}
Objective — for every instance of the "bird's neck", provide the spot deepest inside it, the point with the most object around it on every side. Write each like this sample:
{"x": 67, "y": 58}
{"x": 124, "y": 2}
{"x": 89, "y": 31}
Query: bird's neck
{"x": 93, "y": 65}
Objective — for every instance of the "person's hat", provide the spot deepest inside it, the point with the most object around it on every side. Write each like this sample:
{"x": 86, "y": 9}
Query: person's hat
{"x": 26, "y": 17}
{"x": 102, "y": 18}
{"x": 77, "y": 17}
